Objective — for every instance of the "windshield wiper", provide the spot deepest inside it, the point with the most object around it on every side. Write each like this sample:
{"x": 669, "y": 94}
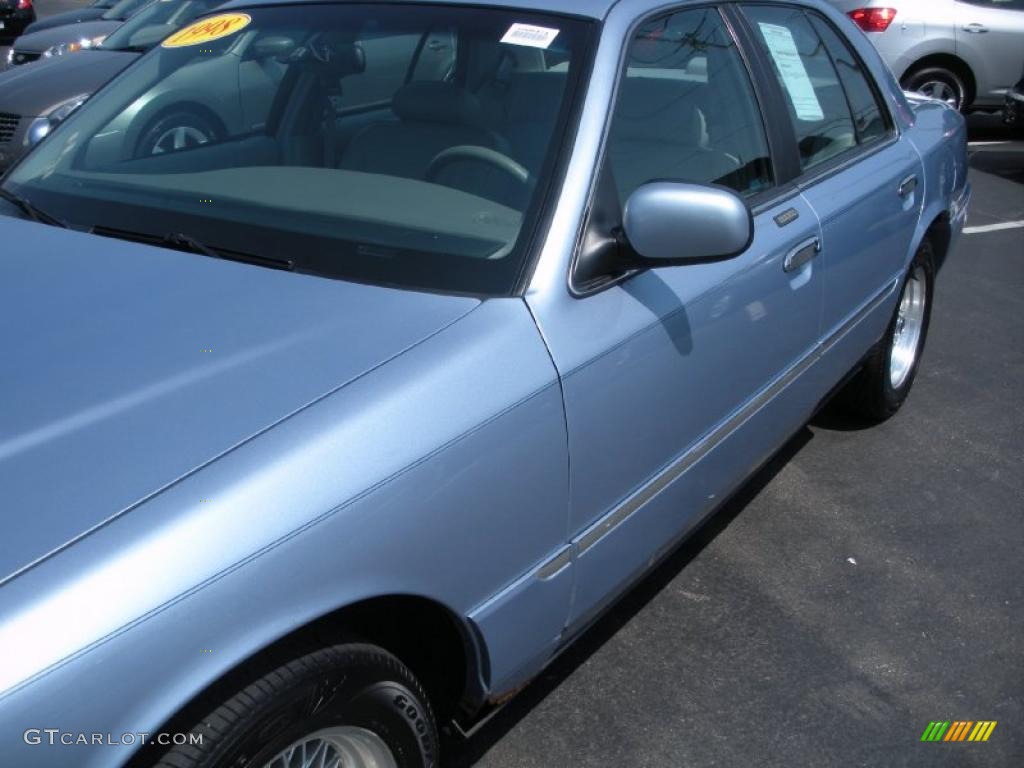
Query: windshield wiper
{"x": 185, "y": 242}
{"x": 30, "y": 209}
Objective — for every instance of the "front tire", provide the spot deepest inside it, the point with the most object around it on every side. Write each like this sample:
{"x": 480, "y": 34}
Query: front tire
{"x": 345, "y": 706}
{"x": 882, "y": 385}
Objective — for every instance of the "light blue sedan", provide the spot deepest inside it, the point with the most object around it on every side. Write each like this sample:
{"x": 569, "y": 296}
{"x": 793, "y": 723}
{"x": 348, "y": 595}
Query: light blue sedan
{"x": 338, "y": 424}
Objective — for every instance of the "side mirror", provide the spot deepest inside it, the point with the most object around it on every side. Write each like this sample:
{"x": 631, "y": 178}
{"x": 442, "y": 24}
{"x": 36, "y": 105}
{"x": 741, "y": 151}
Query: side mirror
{"x": 671, "y": 223}
{"x": 273, "y": 46}
{"x": 150, "y": 35}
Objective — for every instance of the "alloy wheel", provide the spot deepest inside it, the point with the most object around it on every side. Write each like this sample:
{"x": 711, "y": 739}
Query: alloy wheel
{"x": 906, "y": 336}
{"x": 342, "y": 746}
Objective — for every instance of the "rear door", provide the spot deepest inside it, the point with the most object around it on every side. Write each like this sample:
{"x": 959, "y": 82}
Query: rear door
{"x": 990, "y": 35}
{"x": 861, "y": 179}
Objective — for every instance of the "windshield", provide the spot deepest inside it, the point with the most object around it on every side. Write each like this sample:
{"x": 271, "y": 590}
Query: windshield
{"x": 155, "y": 22}
{"x": 123, "y": 9}
{"x": 400, "y": 145}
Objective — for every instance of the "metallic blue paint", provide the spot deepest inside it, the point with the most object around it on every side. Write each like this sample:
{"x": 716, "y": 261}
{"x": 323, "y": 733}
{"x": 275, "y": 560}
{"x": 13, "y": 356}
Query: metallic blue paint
{"x": 516, "y": 461}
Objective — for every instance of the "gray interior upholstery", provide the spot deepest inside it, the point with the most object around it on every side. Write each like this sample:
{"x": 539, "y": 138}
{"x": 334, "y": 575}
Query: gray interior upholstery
{"x": 432, "y": 117}
{"x": 513, "y": 115}
{"x": 660, "y": 133}
{"x": 437, "y": 102}
{"x": 525, "y": 107}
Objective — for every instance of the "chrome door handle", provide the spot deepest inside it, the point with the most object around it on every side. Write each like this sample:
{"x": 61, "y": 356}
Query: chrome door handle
{"x": 907, "y": 186}
{"x": 975, "y": 29}
{"x": 800, "y": 255}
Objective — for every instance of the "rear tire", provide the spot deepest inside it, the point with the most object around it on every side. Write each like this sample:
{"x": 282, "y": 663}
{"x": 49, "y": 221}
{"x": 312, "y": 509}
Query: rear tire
{"x": 355, "y": 702}
{"x": 938, "y": 83}
{"x": 883, "y": 383}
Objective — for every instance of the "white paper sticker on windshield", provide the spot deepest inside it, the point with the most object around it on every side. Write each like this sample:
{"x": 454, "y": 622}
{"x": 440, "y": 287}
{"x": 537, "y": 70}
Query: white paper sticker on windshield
{"x": 782, "y": 47}
{"x": 528, "y": 34}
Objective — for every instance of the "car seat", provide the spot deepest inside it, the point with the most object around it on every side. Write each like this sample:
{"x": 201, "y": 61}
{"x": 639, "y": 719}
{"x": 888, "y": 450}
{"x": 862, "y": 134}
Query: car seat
{"x": 659, "y": 133}
{"x": 432, "y": 117}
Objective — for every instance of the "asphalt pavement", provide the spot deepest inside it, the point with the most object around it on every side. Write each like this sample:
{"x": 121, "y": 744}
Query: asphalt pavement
{"x": 865, "y": 583}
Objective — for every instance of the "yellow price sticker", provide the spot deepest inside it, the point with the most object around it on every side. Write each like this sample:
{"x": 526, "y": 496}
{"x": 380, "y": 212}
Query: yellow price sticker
{"x": 205, "y": 30}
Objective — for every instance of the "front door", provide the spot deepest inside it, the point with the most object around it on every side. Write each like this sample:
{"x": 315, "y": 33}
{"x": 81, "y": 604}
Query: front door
{"x": 678, "y": 381}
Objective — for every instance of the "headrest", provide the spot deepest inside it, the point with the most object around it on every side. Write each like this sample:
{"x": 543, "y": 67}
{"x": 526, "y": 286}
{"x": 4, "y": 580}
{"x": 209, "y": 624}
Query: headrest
{"x": 346, "y": 58}
{"x": 535, "y": 96}
{"x": 351, "y": 58}
{"x": 659, "y": 109}
{"x": 339, "y": 55}
{"x": 433, "y": 102}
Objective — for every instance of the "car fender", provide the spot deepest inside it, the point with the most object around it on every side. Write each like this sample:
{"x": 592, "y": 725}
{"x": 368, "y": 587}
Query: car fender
{"x": 158, "y": 604}
{"x": 939, "y": 134}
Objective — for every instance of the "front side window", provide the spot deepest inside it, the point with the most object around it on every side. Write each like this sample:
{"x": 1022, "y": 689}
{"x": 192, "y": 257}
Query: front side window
{"x": 404, "y": 145}
{"x": 686, "y": 110}
{"x": 811, "y": 86}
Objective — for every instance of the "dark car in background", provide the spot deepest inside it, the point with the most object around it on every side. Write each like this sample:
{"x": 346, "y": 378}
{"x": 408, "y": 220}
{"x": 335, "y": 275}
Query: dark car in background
{"x": 71, "y": 38}
{"x": 33, "y": 100}
{"x": 1013, "y": 113}
{"x": 15, "y": 16}
{"x": 88, "y": 12}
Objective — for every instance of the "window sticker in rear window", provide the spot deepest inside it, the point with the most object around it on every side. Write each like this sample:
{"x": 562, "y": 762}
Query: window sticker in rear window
{"x": 794, "y": 75}
{"x": 530, "y": 35}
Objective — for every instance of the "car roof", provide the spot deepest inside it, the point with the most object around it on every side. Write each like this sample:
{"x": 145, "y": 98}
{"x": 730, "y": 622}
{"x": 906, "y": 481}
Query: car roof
{"x": 596, "y": 9}
{"x": 587, "y": 8}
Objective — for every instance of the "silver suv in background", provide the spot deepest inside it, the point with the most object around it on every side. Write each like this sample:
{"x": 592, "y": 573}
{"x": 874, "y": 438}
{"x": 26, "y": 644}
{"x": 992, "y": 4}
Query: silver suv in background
{"x": 966, "y": 52}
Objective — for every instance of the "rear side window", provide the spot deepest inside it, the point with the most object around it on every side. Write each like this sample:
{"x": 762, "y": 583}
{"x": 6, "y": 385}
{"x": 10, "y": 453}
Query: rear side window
{"x": 814, "y": 94}
{"x": 867, "y": 112}
{"x": 686, "y": 109}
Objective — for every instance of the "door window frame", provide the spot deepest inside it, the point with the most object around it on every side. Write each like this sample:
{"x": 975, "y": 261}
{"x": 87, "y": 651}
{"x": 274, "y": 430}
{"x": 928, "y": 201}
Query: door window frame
{"x": 782, "y": 185}
{"x": 789, "y": 178}
{"x": 802, "y": 179}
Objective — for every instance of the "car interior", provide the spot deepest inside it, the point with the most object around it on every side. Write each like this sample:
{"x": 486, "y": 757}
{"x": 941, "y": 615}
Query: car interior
{"x": 469, "y": 113}
{"x": 482, "y": 124}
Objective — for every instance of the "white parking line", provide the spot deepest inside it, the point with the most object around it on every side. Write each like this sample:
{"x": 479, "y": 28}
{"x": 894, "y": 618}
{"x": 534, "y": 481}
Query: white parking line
{"x": 993, "y": 227}
{"x": 987, "y": 143}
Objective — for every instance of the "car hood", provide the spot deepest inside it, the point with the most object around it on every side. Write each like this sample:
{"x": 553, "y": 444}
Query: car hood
{"x": 38, "y": 42}
{"x": 68, "y": 17}
{"x": 34, "y": 89}
{"x": 126, "y": 367}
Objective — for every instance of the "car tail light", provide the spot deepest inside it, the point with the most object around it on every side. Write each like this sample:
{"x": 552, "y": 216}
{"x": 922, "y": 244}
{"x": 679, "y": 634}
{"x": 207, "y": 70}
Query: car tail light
{"x": 873, "y": 19}
{"x": 24, "y": 5}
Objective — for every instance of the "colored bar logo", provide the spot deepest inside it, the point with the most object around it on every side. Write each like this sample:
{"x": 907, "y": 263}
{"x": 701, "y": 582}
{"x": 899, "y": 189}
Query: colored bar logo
{"x": 958, "y": 730}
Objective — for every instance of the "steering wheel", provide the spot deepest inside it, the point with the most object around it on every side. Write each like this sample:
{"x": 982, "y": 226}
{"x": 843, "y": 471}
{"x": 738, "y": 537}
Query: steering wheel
{"x": 491, "y": 157}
